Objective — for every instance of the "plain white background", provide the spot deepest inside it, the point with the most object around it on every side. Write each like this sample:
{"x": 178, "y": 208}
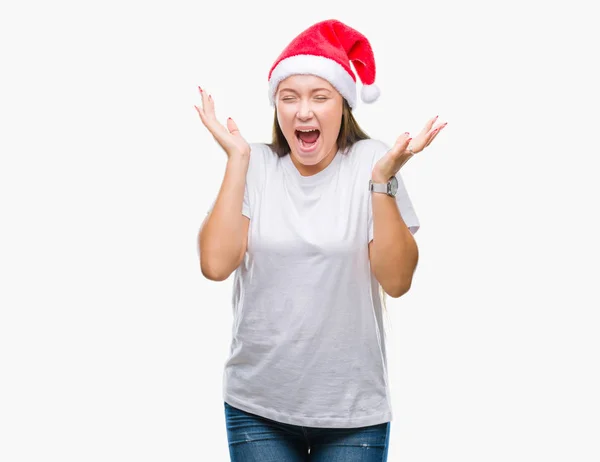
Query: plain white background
{"x": 112, "y": 344}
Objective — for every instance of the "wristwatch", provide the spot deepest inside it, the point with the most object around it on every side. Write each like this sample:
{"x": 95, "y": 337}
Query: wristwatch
{"x": 390, "y": 188}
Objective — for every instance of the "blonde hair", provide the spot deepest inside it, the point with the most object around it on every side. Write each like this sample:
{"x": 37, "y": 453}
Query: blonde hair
{"x": 350, "y": 133}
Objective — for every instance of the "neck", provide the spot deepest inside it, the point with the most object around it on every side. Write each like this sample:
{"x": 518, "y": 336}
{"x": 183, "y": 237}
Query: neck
{"x": 309, "y": 170}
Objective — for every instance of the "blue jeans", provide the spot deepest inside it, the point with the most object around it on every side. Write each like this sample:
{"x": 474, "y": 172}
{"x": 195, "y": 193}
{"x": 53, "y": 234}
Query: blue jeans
{"x": 253, "y": 438}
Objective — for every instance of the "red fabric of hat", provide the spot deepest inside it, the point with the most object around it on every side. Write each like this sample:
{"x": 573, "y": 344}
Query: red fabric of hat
{"x": 326, "y": 49}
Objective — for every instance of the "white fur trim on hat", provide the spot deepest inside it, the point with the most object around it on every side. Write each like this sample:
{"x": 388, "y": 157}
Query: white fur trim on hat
{"x": 320, "y": 66}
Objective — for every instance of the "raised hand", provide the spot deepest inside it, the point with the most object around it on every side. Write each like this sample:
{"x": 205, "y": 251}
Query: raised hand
{"x": 426, "y": 136}
{"x": 229, "y": 138}
{"x": 404, "y": 148}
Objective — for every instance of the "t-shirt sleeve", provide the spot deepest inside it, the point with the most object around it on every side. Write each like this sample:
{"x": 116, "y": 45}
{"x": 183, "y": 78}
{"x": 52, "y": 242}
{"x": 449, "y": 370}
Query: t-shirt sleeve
{"x": 252, "y": 180}
{"x": 405, "y": 206}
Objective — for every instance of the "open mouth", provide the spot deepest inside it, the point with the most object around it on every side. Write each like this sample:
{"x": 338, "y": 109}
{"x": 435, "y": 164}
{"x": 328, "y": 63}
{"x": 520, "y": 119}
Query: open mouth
{"x": 308, "y": 138}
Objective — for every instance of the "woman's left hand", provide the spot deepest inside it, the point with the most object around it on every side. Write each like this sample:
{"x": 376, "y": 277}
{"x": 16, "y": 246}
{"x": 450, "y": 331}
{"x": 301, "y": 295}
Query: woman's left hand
{"x": 395, "y": 158}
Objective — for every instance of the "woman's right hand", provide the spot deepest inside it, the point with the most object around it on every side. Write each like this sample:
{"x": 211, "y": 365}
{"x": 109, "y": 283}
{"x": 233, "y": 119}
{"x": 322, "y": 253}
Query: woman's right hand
{"x": 228, "y": 137}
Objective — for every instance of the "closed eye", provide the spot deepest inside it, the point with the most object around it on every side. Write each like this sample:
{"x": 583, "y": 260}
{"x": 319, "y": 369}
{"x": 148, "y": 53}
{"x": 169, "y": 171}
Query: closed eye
{"x": 318, "y": 98}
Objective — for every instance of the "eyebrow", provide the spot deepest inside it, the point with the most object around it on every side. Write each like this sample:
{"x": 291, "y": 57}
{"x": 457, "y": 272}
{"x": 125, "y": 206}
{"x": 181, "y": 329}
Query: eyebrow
{"x": 294, "y": 91}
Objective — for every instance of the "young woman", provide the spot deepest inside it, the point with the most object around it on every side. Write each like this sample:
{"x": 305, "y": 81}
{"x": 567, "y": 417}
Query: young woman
{"x": 313, "y": 224}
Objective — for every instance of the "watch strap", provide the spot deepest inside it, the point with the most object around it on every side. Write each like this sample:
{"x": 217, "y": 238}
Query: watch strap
{"x": 378, "y": 187}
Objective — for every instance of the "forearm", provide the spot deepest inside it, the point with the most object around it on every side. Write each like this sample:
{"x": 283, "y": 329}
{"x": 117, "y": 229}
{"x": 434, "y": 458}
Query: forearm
{"x": 221, "y": 236}
{"x": 393, "y": 252}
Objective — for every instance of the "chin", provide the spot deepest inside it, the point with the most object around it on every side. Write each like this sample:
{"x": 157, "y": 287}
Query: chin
{"x": 314, "y": 159}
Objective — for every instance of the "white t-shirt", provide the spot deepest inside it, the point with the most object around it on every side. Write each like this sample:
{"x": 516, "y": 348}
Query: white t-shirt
{"x": 308, "y": 341}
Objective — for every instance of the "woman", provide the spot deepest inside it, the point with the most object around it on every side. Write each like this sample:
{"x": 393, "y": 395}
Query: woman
{"x": 312, "y": 224}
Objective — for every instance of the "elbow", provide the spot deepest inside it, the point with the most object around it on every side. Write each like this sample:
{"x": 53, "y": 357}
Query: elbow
{"x": 402, "y": 286}
{"x": 396, "y": 287}
{"x": 399, "y": 290}
{"x": 212, "y": 268}
{"x": 213, "y": 274}
{"x": 212, "y": 264}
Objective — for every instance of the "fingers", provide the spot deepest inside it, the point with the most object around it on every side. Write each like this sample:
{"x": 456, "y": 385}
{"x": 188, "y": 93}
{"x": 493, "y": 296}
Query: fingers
{"x": 207, "y": 111}
{"x": 403, "y": 139}
{"x": 399, "y": 149}
{"x": 435, "y": 132}
{"x": 228, "y": 136}
{"x": 232, "y": 127}
{"x": 428, "y": 126}
{"x": 209, "y": 118}
{"x": 402, "y": 142}
{"x": 199, "y": 109}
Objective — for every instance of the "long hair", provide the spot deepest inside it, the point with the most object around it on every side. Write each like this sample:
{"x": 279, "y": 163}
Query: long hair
{"x": 350, "y": 133}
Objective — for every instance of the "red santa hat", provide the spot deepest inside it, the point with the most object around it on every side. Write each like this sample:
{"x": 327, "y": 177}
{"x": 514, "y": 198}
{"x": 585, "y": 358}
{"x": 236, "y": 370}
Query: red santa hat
{"x": 326, "y": 49}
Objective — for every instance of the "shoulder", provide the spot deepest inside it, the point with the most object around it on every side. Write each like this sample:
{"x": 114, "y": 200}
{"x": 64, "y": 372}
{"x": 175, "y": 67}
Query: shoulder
{"x": 262, "y": 159}
{"x": 370, "y": 145}
{"x": 258, "y": 151}
{"x": 370, "y": 150}
{"x": 261, "y": 153}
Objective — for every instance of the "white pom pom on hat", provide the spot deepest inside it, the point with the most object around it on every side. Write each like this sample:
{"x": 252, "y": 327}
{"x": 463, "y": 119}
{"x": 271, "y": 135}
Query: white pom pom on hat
{"x": 326, "y": 50}
{"x": 369, "y": 93}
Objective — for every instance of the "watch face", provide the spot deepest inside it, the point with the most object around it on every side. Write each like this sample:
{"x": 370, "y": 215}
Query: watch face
{"x": 393, "y": 186}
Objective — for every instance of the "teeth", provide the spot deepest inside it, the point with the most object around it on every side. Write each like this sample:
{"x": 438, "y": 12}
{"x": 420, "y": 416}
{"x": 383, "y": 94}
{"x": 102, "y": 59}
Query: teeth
{"x": 307, "y": 131}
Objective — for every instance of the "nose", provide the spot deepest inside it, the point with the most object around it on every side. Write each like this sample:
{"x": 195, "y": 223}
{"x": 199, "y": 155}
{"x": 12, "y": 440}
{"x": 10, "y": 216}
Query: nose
{"x": 304, "y": 111}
